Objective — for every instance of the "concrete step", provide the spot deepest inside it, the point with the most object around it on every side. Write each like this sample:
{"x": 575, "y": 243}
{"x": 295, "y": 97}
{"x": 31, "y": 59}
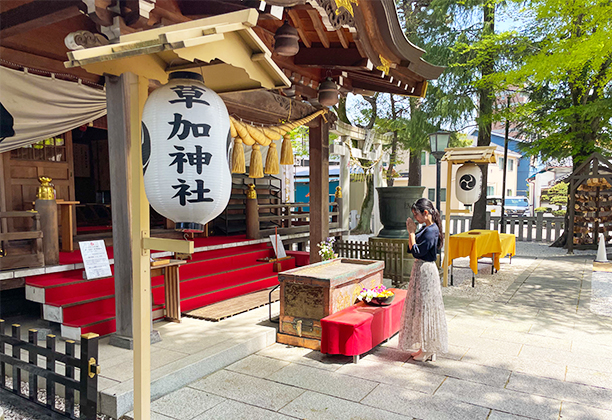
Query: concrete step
{"x": 116, "y": 398}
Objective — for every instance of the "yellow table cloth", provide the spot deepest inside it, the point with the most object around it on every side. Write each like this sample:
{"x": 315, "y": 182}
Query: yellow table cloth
{"x": 475, "y": 244}
{"x": 508, "y": 245}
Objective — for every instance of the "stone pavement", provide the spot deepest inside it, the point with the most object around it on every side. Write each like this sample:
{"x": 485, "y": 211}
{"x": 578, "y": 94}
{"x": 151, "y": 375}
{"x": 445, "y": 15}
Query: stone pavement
{"x": 537, "y": 352}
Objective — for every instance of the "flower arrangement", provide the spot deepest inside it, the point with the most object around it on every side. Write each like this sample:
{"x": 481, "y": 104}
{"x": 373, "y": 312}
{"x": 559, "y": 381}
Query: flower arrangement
{"x": 326, "y": 249}
{"x": 379, "y": 293}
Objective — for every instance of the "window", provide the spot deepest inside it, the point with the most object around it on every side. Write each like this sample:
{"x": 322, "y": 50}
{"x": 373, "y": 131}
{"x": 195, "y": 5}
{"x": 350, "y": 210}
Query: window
{"x": 511, "y": 165}
{"x": 423, "y": 157}
{"x": 501, "y": 163}
{"x": 51, "y": 149}
{"x": 509, "y": 192}
{"x": 432, "y": 159}
{"x": 491, "y": 190}
{"x": 431, "y": 194}
{"x": 442, "y": 194}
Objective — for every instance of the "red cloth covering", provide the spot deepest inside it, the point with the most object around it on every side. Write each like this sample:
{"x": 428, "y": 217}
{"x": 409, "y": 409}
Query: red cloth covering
{"x": 361, "y": 327}
{"x": 302, "y": 258}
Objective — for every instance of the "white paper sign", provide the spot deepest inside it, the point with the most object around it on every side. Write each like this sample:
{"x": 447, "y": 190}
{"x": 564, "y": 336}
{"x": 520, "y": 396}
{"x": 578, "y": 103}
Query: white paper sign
{"x": 277, "y": 244}
{"x": 95, "y": 259}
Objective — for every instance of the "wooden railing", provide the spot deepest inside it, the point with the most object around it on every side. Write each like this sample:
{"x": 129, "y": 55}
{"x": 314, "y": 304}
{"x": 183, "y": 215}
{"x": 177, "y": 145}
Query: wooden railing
{"x": 36, "y": 257}
{"x": 288, "y": 218}
{"x": 539, "y": 228}
{"x": 29, "y": 371}
{"x": 392, "y": 253}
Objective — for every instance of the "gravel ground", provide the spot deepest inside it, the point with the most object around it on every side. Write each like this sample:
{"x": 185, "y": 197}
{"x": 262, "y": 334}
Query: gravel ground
{"x": 21, "y": 413}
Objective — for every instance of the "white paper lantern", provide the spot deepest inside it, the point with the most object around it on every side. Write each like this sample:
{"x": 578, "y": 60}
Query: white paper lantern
{"x": 468, "y": 183}
{"x": 185, "y": 148}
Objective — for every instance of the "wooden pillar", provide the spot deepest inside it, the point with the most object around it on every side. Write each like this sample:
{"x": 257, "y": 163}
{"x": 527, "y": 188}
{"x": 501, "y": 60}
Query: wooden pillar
{"x": 318, "y": 135}
{"x": 447, "y": 215}
{"x": 252, "y": 214}
{"x": 3, "y": 208}
{"x": 378, "y": 182}
{"x": 125, "y": 96}
{"x": 119, "y": 151}
{"x": 48, "y": 220}
{"x": 345, "y": 183}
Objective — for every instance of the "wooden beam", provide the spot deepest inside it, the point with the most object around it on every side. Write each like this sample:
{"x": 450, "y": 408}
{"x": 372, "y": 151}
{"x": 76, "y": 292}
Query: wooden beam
{"x": 305, "y": 91}
{"x": 342, "y": 38}
{"x": 318, "y": 136}
{"x": 43, "y": 63}
{"x": 335, "y": 57}
{"x": 36, "y": 14}
{"x": 318, "y": 25}
{"x": 297, "y": 23}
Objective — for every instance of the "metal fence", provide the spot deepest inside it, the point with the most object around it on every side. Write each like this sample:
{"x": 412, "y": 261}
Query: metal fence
{"x": 539, "y": 228}
{"x": 30, "y": 371}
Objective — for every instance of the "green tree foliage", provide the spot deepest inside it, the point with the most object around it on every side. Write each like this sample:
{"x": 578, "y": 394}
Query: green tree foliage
{"x": 557, "y": 195}
{"x": 460, "y": 35}
{"x": 566, "y": 73}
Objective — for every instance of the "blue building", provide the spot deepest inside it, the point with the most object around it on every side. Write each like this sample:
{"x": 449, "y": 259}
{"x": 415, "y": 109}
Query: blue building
{"x": 302, "y": 183}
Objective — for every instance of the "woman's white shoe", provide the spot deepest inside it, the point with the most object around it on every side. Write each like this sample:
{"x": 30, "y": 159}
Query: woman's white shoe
{"x": 424, "y": 357}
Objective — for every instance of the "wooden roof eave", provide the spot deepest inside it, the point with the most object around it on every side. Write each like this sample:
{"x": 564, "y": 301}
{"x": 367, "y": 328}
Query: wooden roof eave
{"x": 395, "y": 38}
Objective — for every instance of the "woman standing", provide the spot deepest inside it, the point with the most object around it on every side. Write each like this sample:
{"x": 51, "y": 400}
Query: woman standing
{"x": 424, "y": 320}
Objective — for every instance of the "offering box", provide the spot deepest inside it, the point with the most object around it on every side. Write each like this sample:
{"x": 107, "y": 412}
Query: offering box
{"x": 315, "y": 291}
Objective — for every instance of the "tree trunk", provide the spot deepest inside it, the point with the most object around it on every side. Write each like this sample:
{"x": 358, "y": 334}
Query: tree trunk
{"x": 363, "y": 227}
{"x": 341, "y": 110}
{"x": 484, "y": 120}
{"x": 414, "y": 169}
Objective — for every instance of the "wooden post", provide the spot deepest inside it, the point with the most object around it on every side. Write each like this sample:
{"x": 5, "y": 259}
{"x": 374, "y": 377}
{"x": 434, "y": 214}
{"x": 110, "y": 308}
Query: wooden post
{"x": 47, "y": 209}
{"x": 125, "y": 96}
{"x": 137, "y": 87}
{"x": 345, "y": 181}
{"x": 88, "y": 393}
{"x": 318, "y": 135}
{"x": 252, "y": 214}
{"x": 119, "y": 151}
{"x": 447, "y": 216}
{"x": 569, "y": 229}
{"x": 339, "y": 218}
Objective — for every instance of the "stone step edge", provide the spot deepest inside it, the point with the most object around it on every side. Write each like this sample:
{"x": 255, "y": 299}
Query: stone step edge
{"x": 119, "y": 399}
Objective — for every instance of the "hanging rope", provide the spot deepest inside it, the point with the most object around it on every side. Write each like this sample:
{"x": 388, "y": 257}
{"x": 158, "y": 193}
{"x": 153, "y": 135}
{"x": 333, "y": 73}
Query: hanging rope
{"x": 256, "y": 136}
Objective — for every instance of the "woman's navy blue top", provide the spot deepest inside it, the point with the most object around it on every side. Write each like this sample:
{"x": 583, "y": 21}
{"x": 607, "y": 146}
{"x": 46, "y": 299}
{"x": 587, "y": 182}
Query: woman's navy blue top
{"x": 426, "y": 245}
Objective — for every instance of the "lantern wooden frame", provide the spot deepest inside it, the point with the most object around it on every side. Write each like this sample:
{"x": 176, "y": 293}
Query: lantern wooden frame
{"x": 245, "y": 63}
{"x": 459, "y": 156}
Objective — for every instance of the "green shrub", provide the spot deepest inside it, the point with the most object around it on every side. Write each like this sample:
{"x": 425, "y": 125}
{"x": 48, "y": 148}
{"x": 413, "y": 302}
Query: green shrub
{"x": 558, "y": 212}
{"x": 541, "y": 210}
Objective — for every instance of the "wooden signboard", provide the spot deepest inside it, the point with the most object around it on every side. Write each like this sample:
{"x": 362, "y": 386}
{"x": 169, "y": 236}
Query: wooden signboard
{"x": 95, "y": 259}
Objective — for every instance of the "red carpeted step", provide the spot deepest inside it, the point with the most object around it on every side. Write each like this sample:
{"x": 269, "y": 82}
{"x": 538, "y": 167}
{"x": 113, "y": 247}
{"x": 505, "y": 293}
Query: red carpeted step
{"x": 99, "y": 305}
{"x": 219, "y": 295}
{"x": 216, "y": 253}
{"x": 101, "y": 328}
{"x": 212, "y": 282}
{"x": 88, "y": 320}
{"x": 68, "y": 293}
{"x": 222, "y": 264}
{"x": 99, "y": 324}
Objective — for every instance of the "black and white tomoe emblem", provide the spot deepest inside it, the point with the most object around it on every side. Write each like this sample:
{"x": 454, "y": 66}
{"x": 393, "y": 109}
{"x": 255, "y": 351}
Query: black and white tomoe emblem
{"x": 467, "y": 182}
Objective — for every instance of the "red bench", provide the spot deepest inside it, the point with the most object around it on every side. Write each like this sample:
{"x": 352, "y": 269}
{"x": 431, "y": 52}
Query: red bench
{"x": 361, "y": 327}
